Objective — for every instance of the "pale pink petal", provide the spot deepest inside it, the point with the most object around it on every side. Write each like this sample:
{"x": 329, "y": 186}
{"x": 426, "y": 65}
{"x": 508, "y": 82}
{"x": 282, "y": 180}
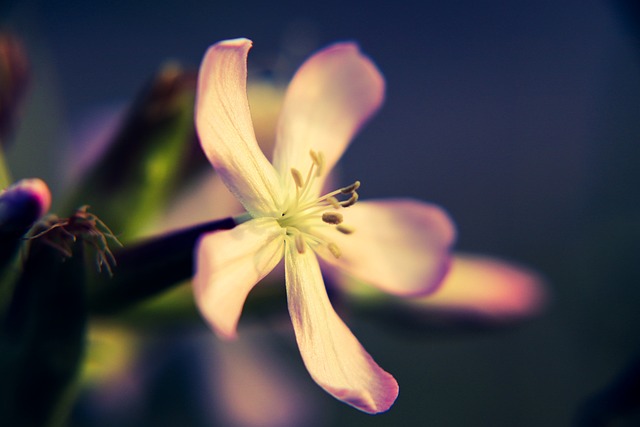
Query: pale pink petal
{"x": 329, "y": 99}
{"x": 478, "y": 289}
{"x": 229, "y": 264}
{"x": 226, "y": 133}
{"x": 400, "y": 246}
{"x": 333, "y": 356}
{"x": 487, "y": 287}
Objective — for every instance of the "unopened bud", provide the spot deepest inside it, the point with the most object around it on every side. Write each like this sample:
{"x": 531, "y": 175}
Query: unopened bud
{"x": 23, "y": 203}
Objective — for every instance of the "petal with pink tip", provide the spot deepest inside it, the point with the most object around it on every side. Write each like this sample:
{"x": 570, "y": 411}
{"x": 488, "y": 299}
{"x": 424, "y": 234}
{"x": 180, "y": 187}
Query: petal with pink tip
{"x": 400, "y": 246}
{"x": 229, "y": 264}
{"x": 32, "y": 193}
{"x": 487, "y": 288}
{"x": 330, "y": 97}
{"x": 225, "y": 129}
{"x": 333, "y": 356}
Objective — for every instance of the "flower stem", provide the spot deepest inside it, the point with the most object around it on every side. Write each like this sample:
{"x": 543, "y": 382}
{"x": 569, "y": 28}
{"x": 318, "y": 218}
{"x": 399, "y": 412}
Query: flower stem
{"x": 148, "y": 268}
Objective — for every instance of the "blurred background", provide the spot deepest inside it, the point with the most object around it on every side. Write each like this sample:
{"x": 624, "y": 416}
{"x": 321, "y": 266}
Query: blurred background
{"x": 521, "y": 118}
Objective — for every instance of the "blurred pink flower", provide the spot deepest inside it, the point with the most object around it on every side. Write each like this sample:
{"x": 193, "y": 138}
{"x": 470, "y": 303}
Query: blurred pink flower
{"x": 251, "y": 388}
{"x": 399, "y": 246}
{"x": 487, "y": 287}
{"x": 479, "y": 289}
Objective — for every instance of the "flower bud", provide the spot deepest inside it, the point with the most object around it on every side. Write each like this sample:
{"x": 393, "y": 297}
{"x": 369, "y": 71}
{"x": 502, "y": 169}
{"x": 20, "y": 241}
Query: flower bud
{"x": 22, "y": 204}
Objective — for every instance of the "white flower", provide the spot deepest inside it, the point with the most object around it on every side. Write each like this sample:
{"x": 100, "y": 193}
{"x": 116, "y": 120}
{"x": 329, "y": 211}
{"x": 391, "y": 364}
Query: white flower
{"x": 399, "y": 246}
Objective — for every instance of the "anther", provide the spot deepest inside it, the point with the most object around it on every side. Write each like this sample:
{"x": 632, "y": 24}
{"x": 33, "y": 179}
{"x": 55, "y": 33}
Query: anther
{"x": 334, "y": 202}
{"x": 299, "y": 243}
{"x": 317, "y": 157}
{"x": 352, "y": 200}
{"x": 320, "y": 164}
{"x": 333, "y": 218}
{"x": 351, "y": 188}
{"x": 345, "y": 229}
{"x": 297, "y": 177}
{"x": 334, "y": 249}
{"x": 314, "y": 156}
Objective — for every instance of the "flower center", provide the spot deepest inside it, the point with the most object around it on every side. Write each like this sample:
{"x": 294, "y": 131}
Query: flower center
{"x": 306, "y": 213}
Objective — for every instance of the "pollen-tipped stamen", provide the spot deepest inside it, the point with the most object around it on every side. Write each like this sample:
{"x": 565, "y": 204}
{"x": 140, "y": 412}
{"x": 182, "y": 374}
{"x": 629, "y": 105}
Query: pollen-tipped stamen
{"x": 350, "y": 188}
{"x": 317, "y": 157}
{"x": 334, "y": 249}
{"x": 301, "y": 216}
{"x": 297, "y": 177}
{"x": 331, "y": 199}
{"x": 351, "y": 201}
{"x": 334, "y": 202}
{"x": 345, "y": 229}
{"x": 333, "y": 218}
{"x": 317, "y": 164}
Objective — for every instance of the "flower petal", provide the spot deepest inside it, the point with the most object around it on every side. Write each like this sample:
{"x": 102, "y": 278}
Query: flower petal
{"x": 331, "y": 96}
{"x": 333, "y": 356}
{"x": 225, "y": 129}
{"x": 400, "y": 246}
{"x": 488, "y": 288}
{"x": 478, "y": 291}
{"x": 229, "y": 263}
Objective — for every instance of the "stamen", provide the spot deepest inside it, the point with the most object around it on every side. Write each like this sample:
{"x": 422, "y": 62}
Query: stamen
{"x": 352, "y": 200}
{"x": 333, "y": 218}
{"x": 314, "y": 157}
{"x": 351, "y": 188}
{"x": 345, "y": 229}
{"x": 334, "y": 202}
{"x": 315, "y": 163}
{"x": 301, "y": 215}
{"x": 334, "y": 249}
{"x": 320, "y": 164}
{"x": 299, "y": 243}
{"x": 297, "y": 177}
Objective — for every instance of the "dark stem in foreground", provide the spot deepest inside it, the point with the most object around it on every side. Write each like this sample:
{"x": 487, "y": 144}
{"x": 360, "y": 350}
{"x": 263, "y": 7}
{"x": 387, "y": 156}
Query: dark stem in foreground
{"x": 149, "y": 268}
